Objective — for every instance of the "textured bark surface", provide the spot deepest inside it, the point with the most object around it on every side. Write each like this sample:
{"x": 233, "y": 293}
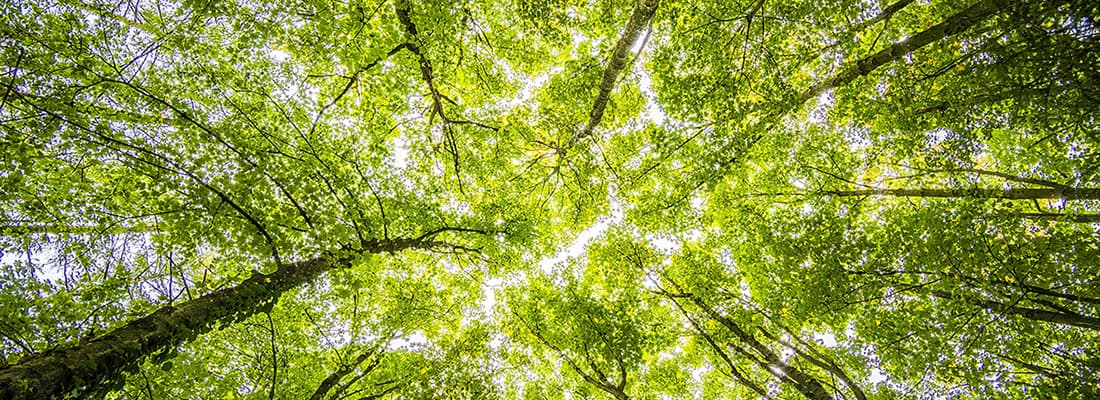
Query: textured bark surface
{"x": 55, "y": 373}
{"x": 955, "y": 24}
{"x": 643, "y": 13}
{"x": 1061, "y": 318}
{"x": 1012, "y": 194}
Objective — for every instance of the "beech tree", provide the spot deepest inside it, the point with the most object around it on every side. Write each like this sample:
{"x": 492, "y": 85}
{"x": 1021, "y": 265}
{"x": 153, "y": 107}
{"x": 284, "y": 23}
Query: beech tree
{"x": 549, "y": 199}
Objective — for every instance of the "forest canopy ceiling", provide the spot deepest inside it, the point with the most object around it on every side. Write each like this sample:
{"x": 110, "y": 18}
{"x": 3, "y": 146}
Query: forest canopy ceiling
{"x": 551, "y": 199}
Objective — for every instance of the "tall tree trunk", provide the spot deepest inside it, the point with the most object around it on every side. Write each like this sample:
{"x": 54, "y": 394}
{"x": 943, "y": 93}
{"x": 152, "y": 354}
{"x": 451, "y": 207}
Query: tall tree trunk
{"x": 1061, "y": 318}
{"x": 1012, "y": 194}
{"x": 643, "y": 13}
{"x": 957, "y": 23}
{"x": 803, "y": 382}
{"x": 90, "y": 365}
{"x": 330, "y": 382}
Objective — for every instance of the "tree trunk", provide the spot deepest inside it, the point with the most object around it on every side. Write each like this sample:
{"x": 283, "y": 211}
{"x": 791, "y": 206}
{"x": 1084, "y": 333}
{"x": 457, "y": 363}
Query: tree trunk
{"x": 957, "y": 23}
{"x": 803, "y": 382}
{"x": 643, "y": 13}
{"x": 92, "y": 364}
{"x": 1011, "y": 194}
{"x": 334, "y": 378}
{"x": 1061, "y": 318}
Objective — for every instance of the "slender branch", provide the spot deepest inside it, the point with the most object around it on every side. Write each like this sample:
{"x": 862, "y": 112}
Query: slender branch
{"x": 1002, "y": 175}
{"x": 352, "y": 80}
{"x": 601, "y": 384}
{"x": 274, "y": 357}
{"x": 1075, "y": 218}
{"x": 734, "y": 371}
{"x": 334, "y": 378}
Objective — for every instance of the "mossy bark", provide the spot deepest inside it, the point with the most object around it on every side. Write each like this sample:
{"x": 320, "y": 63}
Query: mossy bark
{"x": 639, "y": 19}
{"x": 56, "y": 373}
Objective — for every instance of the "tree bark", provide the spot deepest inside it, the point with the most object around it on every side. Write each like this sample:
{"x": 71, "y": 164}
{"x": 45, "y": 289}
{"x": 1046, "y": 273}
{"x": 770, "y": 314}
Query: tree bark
{"x": 1011, "y": 194}
{"x": 803, "y": 382}
{"x": 334, "y": 378}
{"x": 955, "y": 24}
{"x": 93, "y": 364}
{"x": 1061, "y": 318}
{"x": 643, "y": 13}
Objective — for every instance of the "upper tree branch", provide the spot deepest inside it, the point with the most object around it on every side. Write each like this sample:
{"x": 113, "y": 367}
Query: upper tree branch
{"x": 977, "y": 193}
{"x": 427, "y": 73}
{"x": 352, "y": 80}
{"x": 602, "y": 384}
{"x": 1061, "y": 318}
{"x": 334, "y": 378}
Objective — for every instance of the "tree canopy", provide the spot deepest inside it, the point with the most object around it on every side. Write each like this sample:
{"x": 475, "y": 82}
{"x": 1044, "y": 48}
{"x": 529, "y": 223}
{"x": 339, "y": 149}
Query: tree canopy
{"x": 550, "y": 199}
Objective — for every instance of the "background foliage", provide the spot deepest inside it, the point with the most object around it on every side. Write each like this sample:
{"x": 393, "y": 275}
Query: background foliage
{"x": 782, "y": 199}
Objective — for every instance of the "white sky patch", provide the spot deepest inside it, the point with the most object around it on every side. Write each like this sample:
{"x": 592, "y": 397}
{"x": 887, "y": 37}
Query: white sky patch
{"x": 858, "y": 139}
{"x": 413, "y": 340}
{"x": 664, "y": 244}
{"x": 277, "y": 55}
{"x": 653, "y": 109}
{"x": 578, "y": 38}
{"x": 798, "y": 183}
{"x": 640, "y": 41}
{"x": 877, "y": 376}
{"x": 937, "y": 136}
{"x": 578, "y": 245}
{"x": 826, "y": 339}
{"x": 489, "y": 299}
{"x": 786, "y": 354}
{"x": 597, "y": 229}
{"x": 698, "y": 203}
{"x": 50, "y": 271}
{"x": 820, "y": 111}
